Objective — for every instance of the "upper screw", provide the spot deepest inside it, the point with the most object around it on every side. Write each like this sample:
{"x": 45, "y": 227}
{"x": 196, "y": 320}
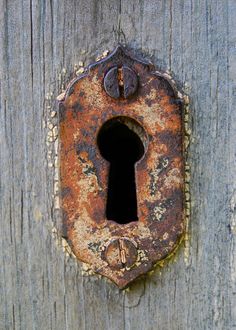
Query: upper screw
{"x": 120, "y": 82}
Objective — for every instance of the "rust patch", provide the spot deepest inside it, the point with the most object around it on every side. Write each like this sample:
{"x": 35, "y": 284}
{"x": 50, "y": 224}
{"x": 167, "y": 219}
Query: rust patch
{"x": 122, "y": 252}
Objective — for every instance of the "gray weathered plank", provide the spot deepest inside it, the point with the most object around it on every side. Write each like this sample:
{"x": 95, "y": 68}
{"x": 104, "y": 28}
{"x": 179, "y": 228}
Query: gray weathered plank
{"x": 41, "y": 288}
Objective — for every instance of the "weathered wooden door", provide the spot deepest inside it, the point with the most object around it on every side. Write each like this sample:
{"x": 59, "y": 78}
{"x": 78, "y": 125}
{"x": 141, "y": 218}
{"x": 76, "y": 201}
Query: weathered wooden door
{"x": 42, "y": 45}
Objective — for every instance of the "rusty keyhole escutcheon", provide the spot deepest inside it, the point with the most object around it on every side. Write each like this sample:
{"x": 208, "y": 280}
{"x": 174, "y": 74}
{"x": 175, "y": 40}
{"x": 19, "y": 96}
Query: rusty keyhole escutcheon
{"x": 123, "y": 102}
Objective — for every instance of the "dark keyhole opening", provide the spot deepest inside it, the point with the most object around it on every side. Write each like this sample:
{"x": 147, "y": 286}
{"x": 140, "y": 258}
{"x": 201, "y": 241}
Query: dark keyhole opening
{"x": 120, "y": 141}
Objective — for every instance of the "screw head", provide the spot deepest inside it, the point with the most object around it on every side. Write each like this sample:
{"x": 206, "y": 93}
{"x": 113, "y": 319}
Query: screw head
{"x": 121, "y": 253}
{"x": 120, "y": 82}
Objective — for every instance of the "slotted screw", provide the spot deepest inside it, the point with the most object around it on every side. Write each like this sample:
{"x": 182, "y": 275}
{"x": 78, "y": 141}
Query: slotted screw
{"x": 120, "y": 82}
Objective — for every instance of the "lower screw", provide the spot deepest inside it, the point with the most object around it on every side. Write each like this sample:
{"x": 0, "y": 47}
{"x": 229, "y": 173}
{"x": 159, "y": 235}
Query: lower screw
{"x": 121, "y": 253}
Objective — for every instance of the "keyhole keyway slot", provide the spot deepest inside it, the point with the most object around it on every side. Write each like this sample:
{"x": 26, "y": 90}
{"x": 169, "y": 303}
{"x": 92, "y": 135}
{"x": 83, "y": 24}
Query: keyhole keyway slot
{"x": 122, "y": 141}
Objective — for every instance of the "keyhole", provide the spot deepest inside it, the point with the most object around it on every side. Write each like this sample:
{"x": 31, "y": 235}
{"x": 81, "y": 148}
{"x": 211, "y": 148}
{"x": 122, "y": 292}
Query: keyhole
{"x": 122, "y": 142}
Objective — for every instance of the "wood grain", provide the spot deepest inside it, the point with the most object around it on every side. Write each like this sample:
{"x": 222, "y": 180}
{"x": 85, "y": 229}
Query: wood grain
{"x": 40, "y": 288}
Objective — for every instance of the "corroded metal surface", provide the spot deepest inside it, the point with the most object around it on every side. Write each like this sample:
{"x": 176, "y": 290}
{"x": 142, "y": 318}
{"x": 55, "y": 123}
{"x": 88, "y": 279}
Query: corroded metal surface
{"x": 122, "y": 252}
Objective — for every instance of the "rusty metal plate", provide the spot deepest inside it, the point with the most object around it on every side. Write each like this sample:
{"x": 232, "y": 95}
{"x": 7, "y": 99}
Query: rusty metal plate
{"x": 122, "y": 88}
